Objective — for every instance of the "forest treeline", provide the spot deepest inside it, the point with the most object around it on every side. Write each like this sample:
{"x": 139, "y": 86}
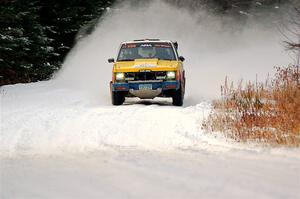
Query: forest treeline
{"x": 36, "y": 35}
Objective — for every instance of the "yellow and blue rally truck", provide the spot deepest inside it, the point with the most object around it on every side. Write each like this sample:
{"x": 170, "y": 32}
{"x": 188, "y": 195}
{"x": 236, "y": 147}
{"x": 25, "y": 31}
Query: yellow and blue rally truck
{"x": 148, "y": 68}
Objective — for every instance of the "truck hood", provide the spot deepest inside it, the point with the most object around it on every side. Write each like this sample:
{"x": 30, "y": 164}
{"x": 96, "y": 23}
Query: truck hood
{"x": 146, "y": 64}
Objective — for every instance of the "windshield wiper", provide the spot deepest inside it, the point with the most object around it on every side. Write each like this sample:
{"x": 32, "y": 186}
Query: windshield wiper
{"x": 126, "y": 60}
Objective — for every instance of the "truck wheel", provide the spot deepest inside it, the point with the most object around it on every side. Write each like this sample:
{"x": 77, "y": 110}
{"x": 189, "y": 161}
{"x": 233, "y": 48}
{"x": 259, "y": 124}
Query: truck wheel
{"x": 178, "y": 97}
{"x": 117, "y": 98}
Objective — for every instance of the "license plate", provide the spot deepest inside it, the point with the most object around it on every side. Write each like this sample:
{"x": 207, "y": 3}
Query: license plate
{"x": 145, "y": 87}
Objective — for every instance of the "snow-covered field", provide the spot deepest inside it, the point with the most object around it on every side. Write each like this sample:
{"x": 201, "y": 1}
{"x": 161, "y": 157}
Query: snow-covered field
{"x": 55, "y": 144}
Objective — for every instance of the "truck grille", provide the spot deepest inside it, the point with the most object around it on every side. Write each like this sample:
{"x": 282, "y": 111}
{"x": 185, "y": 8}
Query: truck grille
{"x": 144, "y": 76}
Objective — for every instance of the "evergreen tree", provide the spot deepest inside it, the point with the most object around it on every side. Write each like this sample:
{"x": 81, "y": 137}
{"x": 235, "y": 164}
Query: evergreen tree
{"x": 63, "y": 19}
{"x": 36, "y": 35}
{"x": 24, "y": 47}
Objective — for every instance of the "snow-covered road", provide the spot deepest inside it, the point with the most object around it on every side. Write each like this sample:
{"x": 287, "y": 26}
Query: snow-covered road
{"x": 40, "y": 118}
{"x": 149, "y": 174}
{"x": 56, "y": 143}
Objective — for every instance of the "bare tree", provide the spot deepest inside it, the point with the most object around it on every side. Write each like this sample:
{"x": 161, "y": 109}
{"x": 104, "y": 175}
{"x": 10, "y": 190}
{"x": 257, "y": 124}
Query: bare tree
{"x": 295, "y": 45}
{"x": 293, "y": 41}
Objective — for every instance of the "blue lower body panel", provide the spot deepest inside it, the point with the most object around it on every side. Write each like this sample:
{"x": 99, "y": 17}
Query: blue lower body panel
{"x": 166, "y": 85}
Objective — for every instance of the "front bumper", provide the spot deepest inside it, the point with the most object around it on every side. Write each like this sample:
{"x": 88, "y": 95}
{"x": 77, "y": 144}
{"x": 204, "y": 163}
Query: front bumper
{"x": 156, "y": 85}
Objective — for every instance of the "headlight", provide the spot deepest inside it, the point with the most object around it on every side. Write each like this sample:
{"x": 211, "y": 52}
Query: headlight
{"x": 120, "y": 76}
{"x": 171, "y": 75}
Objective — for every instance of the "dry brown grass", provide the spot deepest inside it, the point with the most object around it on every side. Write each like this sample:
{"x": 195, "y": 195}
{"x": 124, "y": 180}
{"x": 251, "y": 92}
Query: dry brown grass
{"x": 266, "y": 112}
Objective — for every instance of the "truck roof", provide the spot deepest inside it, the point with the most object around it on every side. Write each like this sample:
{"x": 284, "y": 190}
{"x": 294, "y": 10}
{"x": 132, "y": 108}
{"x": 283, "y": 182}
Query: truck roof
{"x": 147, "y": 40}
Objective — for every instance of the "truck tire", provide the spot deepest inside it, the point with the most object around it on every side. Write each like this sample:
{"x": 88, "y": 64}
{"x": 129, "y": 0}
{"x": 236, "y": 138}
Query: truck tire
{"x": 117, "y": 98}
{"x": 178, "y": 97}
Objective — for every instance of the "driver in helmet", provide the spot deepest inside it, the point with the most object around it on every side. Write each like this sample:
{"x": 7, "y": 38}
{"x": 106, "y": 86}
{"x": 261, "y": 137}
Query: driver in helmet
{"x": 147, "y": 51}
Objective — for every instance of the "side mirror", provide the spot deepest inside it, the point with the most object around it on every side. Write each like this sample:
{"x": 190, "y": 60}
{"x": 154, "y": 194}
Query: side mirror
{"x": 181, "y": 58}
{"x": 111, "y": 60}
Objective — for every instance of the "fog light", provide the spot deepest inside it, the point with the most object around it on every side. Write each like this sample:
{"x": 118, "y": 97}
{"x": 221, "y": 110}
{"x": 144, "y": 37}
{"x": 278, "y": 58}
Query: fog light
{"x": 170, "y": 86}
{"x": 122, "y": 88}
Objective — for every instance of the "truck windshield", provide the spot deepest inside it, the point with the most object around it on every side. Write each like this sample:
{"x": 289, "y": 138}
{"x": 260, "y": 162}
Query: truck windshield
{"x": 132, "y": 51}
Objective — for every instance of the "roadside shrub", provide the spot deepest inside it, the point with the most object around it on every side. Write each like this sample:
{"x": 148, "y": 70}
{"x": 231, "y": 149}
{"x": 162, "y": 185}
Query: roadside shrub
{"x": 265, "y": 112}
